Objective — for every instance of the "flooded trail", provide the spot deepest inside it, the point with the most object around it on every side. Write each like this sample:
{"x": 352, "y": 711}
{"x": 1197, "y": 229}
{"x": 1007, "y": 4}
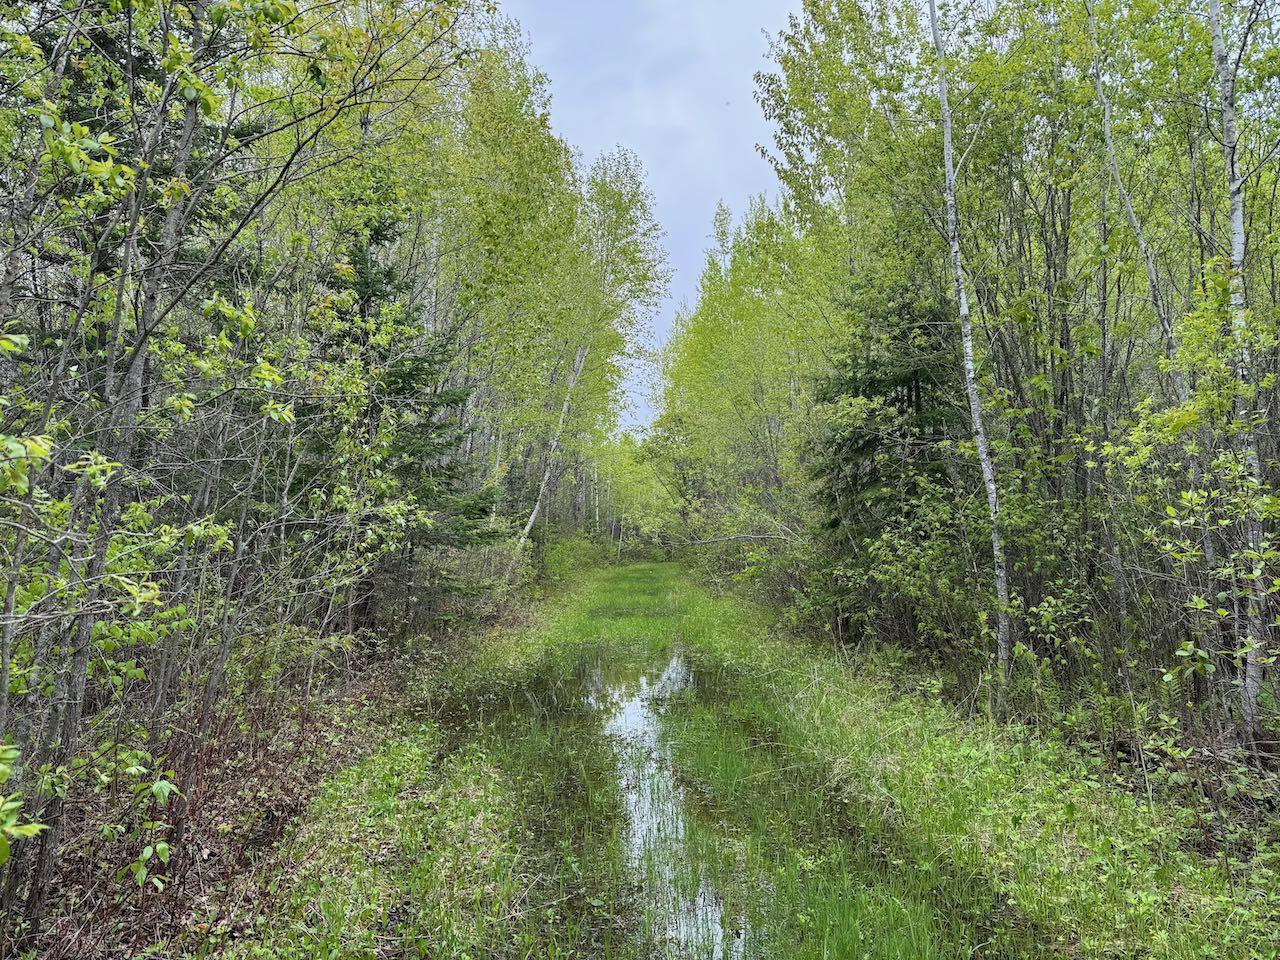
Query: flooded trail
{"x": 673, "y": 812}
{"x": 647, "y": 773}
{"x": 685, "y": 914}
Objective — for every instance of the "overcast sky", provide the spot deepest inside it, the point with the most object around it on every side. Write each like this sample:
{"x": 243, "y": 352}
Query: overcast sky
{"x": 672, "y": 80}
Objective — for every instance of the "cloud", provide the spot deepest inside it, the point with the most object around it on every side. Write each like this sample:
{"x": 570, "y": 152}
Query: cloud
{"x": 672, "y": 80}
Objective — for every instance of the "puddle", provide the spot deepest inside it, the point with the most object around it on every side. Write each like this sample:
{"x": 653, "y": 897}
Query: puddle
{"x": 685, "y": 913}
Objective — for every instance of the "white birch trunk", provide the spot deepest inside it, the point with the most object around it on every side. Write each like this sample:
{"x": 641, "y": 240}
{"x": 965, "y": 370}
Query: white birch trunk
{"x": 1255, "y": 642}
{"x": 579, "y": 361}
{"x": 1004, "y": 641}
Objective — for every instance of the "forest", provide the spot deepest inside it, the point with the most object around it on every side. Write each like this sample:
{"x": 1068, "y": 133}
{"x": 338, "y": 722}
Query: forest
{"x": 348, "y": 613}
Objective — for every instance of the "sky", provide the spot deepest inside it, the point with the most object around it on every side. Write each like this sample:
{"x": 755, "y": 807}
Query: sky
{"x": 672, "y": 80}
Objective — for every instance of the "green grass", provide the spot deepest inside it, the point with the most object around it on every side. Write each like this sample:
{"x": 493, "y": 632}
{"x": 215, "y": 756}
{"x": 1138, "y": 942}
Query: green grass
{"x": 992, "y": 817}
{"x": 405, "y": 854}
{"x": 833, "y": 817}
{"x": 814, "y": 883}
{"x": 484, "y": 828}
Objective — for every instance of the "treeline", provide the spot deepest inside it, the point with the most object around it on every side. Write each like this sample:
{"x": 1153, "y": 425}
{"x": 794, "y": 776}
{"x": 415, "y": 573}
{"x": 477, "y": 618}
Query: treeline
{"x": 995, "y": 380}
{"x": 306, "y": 315}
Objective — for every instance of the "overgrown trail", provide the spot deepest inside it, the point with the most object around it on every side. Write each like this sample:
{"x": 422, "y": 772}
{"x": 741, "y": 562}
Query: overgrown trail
{"x": 648, "y": 772}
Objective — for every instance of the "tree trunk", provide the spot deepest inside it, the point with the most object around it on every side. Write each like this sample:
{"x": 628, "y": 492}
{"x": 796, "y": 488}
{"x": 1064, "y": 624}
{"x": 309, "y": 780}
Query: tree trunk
{"x": 1004, "y": 642}
{"x": 579, "y": 361}
{"x": 1254, "y": 645}
{"x": 1163, "y": 313}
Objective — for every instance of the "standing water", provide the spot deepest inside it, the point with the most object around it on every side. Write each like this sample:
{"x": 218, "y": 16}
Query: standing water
{"x": 685, "y": 913}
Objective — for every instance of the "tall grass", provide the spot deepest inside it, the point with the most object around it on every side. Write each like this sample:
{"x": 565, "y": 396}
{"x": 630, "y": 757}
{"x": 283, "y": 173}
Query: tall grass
{"x": 830, "y": 816}
{"x": 1072, "y": 863}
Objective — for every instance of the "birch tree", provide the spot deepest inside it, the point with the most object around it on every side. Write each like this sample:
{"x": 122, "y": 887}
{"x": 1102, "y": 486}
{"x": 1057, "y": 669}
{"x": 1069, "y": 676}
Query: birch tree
{"x": 1256, "y": 642}
{"x": 1004, "y": 640}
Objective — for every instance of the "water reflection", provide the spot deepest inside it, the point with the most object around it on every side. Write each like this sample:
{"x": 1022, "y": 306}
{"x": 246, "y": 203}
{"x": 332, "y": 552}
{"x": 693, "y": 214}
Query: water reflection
{"x": 686, "y": 913}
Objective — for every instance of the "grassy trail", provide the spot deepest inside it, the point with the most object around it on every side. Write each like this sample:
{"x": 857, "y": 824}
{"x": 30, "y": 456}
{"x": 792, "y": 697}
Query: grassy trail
{"x": 649, "y": 772}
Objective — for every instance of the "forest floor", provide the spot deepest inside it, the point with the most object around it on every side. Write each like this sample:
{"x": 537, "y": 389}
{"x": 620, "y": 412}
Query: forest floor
{"x": 649, "y": 771}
